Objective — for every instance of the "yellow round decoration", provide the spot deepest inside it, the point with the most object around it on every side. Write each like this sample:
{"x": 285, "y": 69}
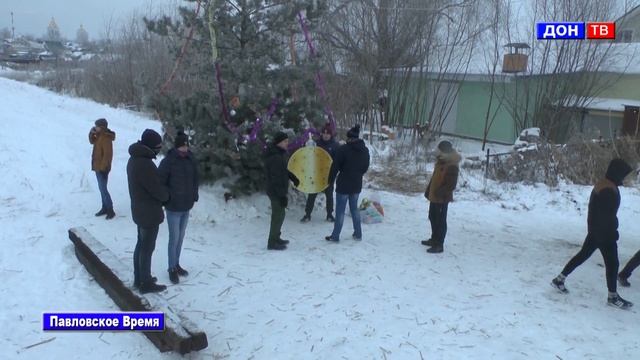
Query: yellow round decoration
{"x": 311, "y": 165}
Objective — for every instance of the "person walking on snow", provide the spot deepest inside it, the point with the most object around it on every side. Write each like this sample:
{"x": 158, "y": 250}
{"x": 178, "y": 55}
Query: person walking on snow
{"x": 178, "y": 172}
{"x": 101, "y": 137}
{"x": 277, "y": 183}
{"x": 624, "y": 275}
{"x": 440, "y": 193}
{"x": 602, "y": 233}
{"x": 330, "y": 145}
{"x": 350, "y": 164}
{"x": 147, "y": 196}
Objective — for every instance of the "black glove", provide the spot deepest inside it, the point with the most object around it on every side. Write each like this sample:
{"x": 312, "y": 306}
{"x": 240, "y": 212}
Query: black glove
{"x": 294, "y": 179}
{"x": 284, "y": 201}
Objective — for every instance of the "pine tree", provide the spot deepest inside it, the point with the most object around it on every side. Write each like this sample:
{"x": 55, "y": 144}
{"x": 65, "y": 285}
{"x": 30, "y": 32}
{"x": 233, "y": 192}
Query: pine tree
{"x": 53, "y": 32}
{"x": 252, "y": 43}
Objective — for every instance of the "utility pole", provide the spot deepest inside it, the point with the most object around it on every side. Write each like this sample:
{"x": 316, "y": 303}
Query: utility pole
{"x": 13, "y": 29}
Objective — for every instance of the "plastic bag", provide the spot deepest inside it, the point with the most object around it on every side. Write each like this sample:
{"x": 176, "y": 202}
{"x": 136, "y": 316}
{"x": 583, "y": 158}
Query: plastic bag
{"x": 371, "y": 210}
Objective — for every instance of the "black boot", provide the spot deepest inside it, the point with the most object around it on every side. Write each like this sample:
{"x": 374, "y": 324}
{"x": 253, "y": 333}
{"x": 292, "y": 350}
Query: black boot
{"x": 305, "y": 218}
{"x": 623, "y": 281}
{"x": 329, "y": 238}
{"x": 435, "y": 249}
{"x": 173, "y": 276}
{"x": 276, "y": 246}
{"x": 330, "y": 218}
{"x": 102, "y": 211}
{"x": 429, "y": 242}
{"x": 282, "y": 241}
{"x": 181, "y": 271}
{"x": 151, "y": 287}
{"x": 110, "y": 214}
{"x": 137, "y": 284}
{"x": 558, "y": 283}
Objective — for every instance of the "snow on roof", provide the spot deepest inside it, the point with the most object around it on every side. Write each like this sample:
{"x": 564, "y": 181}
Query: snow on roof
{"x": 607, "y": 104}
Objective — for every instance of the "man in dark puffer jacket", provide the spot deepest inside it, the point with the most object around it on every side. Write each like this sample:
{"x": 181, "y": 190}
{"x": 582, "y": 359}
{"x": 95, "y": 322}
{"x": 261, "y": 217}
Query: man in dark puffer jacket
{"x": 349, "y": 166}
{"x": 147, "y": 196}
{"x": 178, "y": 171}
{"x": 602, "y": 223}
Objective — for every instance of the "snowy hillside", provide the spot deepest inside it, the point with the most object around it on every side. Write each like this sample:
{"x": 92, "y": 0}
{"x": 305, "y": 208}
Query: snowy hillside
{"x": 486, "y": 297}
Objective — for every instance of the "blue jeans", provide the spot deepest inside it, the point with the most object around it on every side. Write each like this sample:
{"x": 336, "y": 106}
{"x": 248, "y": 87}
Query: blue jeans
{"x": 341, "y": 204}
{"x": 177, "y": 221}
{"x": 103, "y": 178}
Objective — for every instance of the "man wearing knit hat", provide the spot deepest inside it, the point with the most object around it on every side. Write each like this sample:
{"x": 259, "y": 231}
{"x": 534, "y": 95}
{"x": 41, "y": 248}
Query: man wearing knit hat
{"x": 350, "y": 164}
{"x": 277, "y": 182}
{"x": 178, "y": 171}
{"x": 330, "y": 145}
{"x": 101, "y": 137}
{"x": 147, "y": 196}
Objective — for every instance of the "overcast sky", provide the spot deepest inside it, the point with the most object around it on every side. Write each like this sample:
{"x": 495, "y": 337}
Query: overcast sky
{"x": 33, "y": 16}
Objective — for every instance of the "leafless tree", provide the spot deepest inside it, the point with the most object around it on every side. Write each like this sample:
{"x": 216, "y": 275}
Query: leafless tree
{"x": 369, "y": 37}
{"x": 426, "y": 90}
{"x": 564, "y": 75}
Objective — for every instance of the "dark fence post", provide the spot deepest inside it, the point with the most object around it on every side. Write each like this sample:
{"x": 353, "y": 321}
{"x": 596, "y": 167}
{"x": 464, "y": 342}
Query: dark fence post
{"x": 486, "y": 168}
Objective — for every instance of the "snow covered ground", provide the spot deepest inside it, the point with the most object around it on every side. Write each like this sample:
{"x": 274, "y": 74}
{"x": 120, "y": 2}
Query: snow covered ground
{"x": 486, "y": 297}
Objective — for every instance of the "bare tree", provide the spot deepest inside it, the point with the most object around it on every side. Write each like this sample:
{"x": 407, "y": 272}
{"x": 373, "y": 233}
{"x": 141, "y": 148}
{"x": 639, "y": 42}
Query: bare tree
{"x": 426, "y": 91}
{"x": 564, "y": 75}
{"x": 499, "y": 14}
{"x": 370, "y": 36}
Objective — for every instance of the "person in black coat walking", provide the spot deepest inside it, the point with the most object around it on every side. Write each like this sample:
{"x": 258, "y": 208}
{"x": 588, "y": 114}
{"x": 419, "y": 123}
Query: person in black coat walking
{"x": 330, "y": 145}
{"x": 277, "y": 182}
{"x": 602, "y": 234}
{"x": 147, "y": 196}
{"x": 178, "y": 171}
{"x": 350, "y": 164}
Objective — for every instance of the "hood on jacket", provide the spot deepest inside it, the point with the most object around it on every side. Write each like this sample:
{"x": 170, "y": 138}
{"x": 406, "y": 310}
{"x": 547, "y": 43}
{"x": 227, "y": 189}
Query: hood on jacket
{"x": 108, "y": 133}
{"x": 618, "y": 169}
{"x": 176, "y": 153}
{"x": 273, "y": 149}
{"x": 357, "y": 145}
{"x": 321, "y": 142}
{"x": 138, "y": 149}
{"x": 452, "y": 157}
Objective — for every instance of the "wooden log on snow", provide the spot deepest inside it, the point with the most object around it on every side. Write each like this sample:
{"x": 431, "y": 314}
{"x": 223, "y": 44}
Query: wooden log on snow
{"x": 180, "y": 334}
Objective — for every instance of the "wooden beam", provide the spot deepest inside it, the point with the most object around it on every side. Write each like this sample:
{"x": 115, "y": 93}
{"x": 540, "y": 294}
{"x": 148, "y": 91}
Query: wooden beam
{"x": 180, "y": 334}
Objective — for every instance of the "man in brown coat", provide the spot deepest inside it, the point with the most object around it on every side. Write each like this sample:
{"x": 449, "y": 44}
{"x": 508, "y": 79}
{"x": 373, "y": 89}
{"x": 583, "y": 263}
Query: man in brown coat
{"x": 101, "y": 137}
{"x": 440, "y": 193}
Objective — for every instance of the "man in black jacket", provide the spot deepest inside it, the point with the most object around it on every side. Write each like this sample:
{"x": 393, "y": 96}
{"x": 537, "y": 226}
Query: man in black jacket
{"x": 178, "y": 171}
{"x": 330, "y": 145}
{"x": 602, "y": 224}
{"x": 349, "y": 165}
{"x": 277, "y": 181}
{"x": 147, "y": 196}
